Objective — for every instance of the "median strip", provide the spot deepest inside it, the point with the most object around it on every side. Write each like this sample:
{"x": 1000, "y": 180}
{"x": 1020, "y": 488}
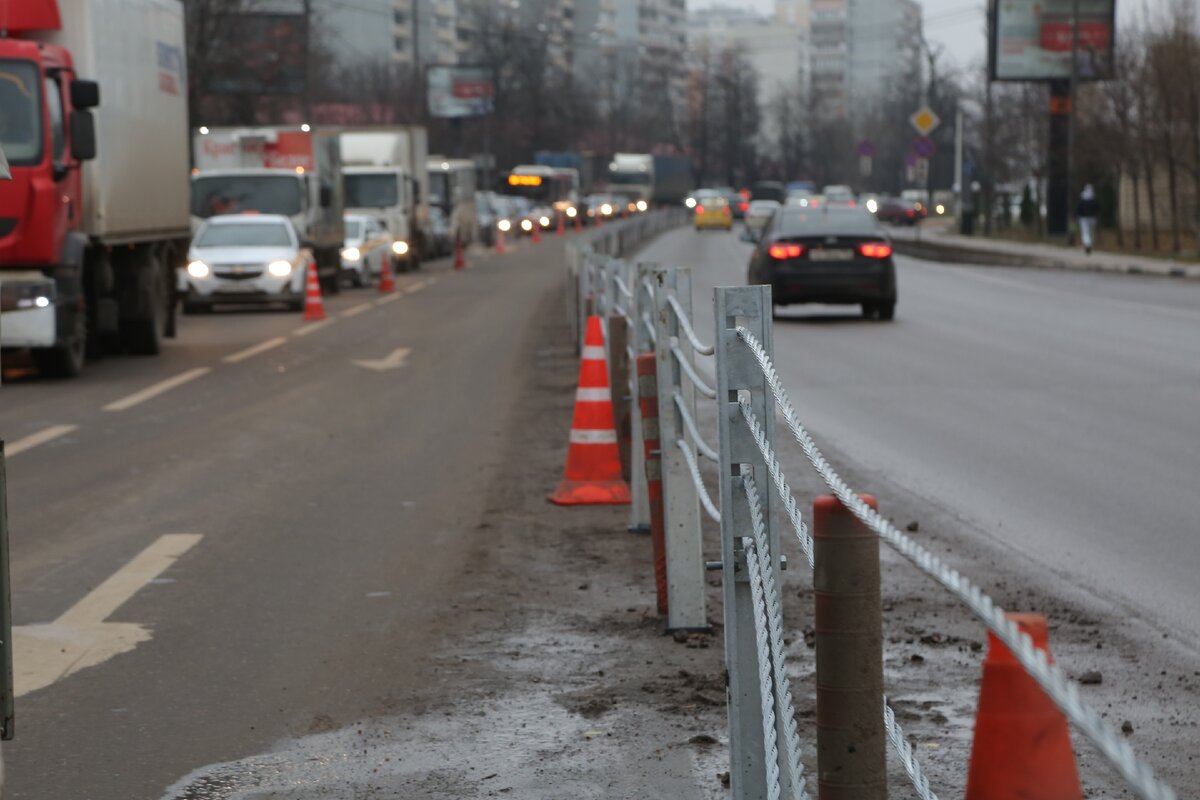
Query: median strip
{"x": 35, "y": 439}
{"x": 251, "y": 352}
{"x": 161, "y": 387}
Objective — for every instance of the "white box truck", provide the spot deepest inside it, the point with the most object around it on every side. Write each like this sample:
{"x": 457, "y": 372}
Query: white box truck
{"x": 95, "y": 219}
{"x": 293, "y": 171}
{"x": 384, "y": 175}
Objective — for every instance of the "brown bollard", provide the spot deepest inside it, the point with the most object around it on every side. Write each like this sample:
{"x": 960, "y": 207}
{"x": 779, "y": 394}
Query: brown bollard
{"x": 618, "y": 365}
{"x": 848, "y": 619}
{"x": 647, "y": 372}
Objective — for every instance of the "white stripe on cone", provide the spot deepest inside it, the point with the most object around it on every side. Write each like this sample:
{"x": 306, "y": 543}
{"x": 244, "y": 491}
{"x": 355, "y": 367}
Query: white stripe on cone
{"x": 593, "y": 437}
{"x": 588, "y": 395}
{"x": 593, "y": 353}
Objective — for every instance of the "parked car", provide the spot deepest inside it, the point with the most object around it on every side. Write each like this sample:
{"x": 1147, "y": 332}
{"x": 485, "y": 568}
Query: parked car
{"x": 244, "y": 258}
{"x": 712, "y": 211}
{"x": 368, "y": 245}
{"x": 827, "y": 255}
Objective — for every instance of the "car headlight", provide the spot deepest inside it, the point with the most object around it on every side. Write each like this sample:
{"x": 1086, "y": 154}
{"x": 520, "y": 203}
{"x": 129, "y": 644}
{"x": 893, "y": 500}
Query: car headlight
{"x": 872, "y": 206}
{"x": 690, "y": 202}
{"x": 941, "y": 209}
{"x": 572, "y": 212}
{"x": 642, "y": 205}
{"x": 198, "y": 269}
{"x": 504, "y": 225}
{"x": 280, "y": 269}
{"x": 400, "y": 247}
{"x": 606, "y": 209}
{"x": 351, "y": 254}
{"x": 526, "y": 225}
{"x": 545, "y": 221}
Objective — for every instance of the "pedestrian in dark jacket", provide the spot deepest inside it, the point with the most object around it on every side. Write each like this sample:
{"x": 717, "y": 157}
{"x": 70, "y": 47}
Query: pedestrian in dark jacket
{"x": 1086, "y": 211}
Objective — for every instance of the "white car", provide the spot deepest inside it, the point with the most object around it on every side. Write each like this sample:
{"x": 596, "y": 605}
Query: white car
{"x": 367, "y": 245}
{"x": 759, "y": 213}
{"x": 244, "y": 258}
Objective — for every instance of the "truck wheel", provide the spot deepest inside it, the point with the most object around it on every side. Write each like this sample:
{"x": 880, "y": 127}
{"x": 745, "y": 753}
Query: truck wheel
{"x": 66, "y": 360}
{"x": 142, "y": 335}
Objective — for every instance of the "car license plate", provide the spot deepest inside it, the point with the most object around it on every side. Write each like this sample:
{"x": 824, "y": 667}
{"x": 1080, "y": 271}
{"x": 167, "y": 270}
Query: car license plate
{"x": 237, "y": 288}
{"x": 830, "y": 255}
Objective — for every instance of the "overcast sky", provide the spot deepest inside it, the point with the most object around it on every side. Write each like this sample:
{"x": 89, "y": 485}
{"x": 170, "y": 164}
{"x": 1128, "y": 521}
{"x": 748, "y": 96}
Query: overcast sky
{"x": 956, "y": 25}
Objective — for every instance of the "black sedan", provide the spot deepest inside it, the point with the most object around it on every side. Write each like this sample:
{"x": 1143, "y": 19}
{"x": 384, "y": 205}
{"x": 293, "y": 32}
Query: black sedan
{"x": 827, "y": 255}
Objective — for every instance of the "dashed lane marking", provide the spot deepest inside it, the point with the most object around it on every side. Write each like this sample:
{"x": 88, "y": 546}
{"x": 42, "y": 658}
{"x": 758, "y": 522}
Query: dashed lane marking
{"x": 316, "y": 326}
{"x": 80, "y": 638}
{"x": 354, "y": 311}
{"x": 388, "y": 298}
{"x": 251, "y": 352}
{"x": 35, "y": 439}
{"x": 151, "y": 392}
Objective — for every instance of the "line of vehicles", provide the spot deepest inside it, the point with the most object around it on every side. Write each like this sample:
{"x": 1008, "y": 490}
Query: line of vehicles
{"x": 118, "y": 216}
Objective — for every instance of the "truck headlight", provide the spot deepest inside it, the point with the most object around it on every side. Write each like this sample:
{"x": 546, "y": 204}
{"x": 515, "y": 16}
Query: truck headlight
{"x": 545, "y": 221}
{"x": 198, "y": 269}
{"x": 527, "y": 225}
{"x": 690, "y": 202}
{"x": 504, "y": 225}
{"x": 280, "y": 269}
{"x": 606, "y": 209}
{"x": 351, "y": 254}
{"x": 400, "y": 247}
{"x": 642, "y": 205}
{"x": 572, "y": 212}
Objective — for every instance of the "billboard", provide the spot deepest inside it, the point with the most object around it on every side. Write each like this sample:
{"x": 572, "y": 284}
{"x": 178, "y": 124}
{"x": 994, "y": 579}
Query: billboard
{"x": 261, "y": 54}
{"x": 1031, "y": 40}
{"x": 460, "y": 91}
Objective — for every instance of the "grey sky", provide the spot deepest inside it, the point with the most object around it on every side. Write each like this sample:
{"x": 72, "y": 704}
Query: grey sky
{"x": 956, "y": 25}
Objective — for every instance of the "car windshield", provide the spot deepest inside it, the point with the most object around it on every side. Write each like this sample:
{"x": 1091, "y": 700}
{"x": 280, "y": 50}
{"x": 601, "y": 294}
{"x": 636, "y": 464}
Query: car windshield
{"x": 794, "y": 221}
{"x": 20, "y": 113}
{"x": 231, "y": 194}
{"x": 353, "y": 229}
{"x": 371, "y": 191}
{"x": 244, "y": 234}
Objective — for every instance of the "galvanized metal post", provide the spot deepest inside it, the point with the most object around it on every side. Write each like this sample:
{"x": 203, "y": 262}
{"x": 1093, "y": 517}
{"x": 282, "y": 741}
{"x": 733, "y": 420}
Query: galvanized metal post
{"x": 639, "y": 508}
{"x": 848, "y": 621}
{"x": 738, "y": 376}
{"x": 685, "y": 554}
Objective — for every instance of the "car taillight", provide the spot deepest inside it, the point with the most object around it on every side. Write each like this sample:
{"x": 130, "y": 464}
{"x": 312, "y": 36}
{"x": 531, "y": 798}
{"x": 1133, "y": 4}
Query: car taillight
{"x": 782, "y": 252}
{"x": 875, "y": 249}
{"x": 742, "y": 206}
{"x": 853, "y": 204}
{"x": 699, "y": 209}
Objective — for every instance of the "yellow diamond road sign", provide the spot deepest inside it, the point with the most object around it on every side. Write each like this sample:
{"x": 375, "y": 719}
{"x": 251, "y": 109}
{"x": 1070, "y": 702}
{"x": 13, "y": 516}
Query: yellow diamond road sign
{"x": 924, "y": 120}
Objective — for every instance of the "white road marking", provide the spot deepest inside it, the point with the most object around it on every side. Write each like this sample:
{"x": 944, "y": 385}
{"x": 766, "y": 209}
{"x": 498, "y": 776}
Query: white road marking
{"x": 80, "y": 638}
{"x": 395, "y": 360}
{"x": 41, "y": 437}
{"x": 389, "y": 298}
{"x": 251, "y": 352}
{"x": 315, "y": 326}
{"x": 150, "y": 392}
{"x": 354, "y": 311}
{"x": 416, "y": 287}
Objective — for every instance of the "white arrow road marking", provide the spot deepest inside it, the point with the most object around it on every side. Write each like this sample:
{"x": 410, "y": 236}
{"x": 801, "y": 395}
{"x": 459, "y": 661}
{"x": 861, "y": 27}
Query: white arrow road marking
{"x": 251, "y": 352}
{"x": 80, "y": 638}
{"x": 41, "y": 437}
{"x": 393, "y": 361}
{"x": 150, "y": 392}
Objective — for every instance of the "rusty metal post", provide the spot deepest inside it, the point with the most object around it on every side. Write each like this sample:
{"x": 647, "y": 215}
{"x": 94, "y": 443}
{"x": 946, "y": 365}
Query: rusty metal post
{"x": 618, "y": 365}
{"x": 647, "y": 372}
{"x": 848, "y": 620}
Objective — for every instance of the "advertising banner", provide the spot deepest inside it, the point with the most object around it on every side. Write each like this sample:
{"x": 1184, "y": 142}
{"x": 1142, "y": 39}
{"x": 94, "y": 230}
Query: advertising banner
{"x": 460, "y": 91}
{"x": 1032, "y": 39}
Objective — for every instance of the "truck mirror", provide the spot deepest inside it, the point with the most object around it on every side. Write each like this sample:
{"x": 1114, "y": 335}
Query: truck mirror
{"x": 83, "y": 135}
{"x": 326, "y": 198}
{"x": 84, "y": 94}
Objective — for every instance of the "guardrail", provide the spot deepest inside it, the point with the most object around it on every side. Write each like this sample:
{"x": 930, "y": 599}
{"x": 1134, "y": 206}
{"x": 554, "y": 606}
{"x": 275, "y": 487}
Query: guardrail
{"x": 654, "y": 303}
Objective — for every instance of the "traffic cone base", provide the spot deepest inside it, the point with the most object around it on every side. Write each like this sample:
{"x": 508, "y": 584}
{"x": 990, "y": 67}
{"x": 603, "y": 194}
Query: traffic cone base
{"x": 460, "y": 261}
{"x": 387, "y": 282}
{"x": 593, "y": 471}
{"x": 1022, "y": 747}
{"x": 314, "y": 306}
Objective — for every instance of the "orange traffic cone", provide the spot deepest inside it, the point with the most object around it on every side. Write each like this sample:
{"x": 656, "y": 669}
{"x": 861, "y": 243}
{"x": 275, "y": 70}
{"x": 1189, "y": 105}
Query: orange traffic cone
{"x": 314, "y": 306}
{"x": 387, "y": 283}
{"x": 500, "y": 242}
{"x": 537, "y": 231}
{"x": 460, "y": 260}
{"x": 1022, "y": 747}
{"x": 562, "y": 225}
{"x": 593, "y": 472}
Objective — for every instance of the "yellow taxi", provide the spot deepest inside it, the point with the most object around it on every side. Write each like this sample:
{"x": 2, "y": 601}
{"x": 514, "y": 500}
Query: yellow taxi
{"x": 711, "y": 211}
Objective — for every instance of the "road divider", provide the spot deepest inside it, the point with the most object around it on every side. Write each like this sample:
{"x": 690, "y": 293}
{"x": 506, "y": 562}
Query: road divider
{"x": 81, "y": 638}
{"x": 251, "y": 352}
{"x": 36, "y": 439}
{"x": 150, "y": 392}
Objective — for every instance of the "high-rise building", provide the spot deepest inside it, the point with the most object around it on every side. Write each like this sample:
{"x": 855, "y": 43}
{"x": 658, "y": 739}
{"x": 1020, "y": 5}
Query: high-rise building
{"x": 884, "y": 46}
{"x": 650, "y": 43}
{"x": 829, "y": 57}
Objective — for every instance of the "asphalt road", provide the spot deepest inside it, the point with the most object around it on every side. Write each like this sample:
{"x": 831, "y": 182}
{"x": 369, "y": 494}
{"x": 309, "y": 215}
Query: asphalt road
{"x": 1053, "y": 414}
{"x": 315, "y": 512}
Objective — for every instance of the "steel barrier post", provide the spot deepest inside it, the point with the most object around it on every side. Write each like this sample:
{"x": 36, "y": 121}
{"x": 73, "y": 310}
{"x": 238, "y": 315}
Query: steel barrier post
{"x": 848, "y": 620}
{"x": 619, "y": 381}
{"x": 738, "y": 375}
{"x": 681, "y": 503}
{"x": 652, "y": 449}
{"x": 639, "y": 508}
